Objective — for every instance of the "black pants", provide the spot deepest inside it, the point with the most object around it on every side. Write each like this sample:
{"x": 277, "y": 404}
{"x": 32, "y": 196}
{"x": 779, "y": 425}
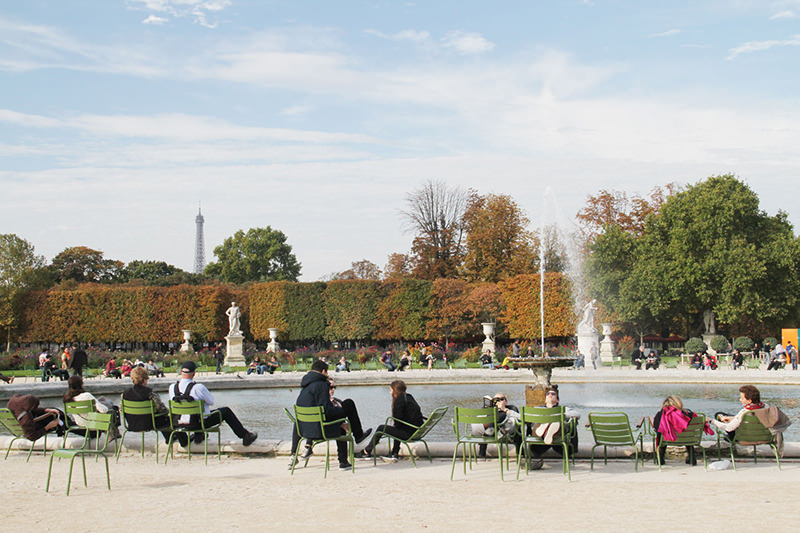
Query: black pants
{"x": 351, "y": 413}
{"x": 225, "y": 414}
{"x": 389, "y": 430}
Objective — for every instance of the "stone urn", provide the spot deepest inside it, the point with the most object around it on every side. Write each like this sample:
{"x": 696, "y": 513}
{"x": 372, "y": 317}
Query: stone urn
{"x": 273, "y": 345}
{"x": 488, "y": 342}
{"x": 187, "y": 336}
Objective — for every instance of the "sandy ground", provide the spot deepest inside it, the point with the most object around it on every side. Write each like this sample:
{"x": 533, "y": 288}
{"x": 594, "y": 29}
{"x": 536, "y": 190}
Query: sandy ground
{"x": 250, "y": 493}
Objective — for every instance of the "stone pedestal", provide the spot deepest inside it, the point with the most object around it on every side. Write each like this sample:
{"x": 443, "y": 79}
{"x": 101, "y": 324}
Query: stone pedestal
{"x": 488, "y": 343}
{"x": 187, "y": 336}
{"x": 235, "y": 352}
{"x": 589, "y": 347}
{"x": 607, "y": 345}
{"x": 273, "y": 345}
{"x": 707, "y": 339}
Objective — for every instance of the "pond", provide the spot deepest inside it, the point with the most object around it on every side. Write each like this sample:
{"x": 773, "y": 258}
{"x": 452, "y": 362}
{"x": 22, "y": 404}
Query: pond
{"x": 262, "y": 409}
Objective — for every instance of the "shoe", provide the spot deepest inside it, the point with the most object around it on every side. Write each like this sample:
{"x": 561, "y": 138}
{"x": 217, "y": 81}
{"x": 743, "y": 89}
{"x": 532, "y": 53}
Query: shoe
{"x": 198, "y": 438}
{"x": 364, "y": 435}
{"x": 364, "y": 454}
{"x": 390, "y": 458}
{"x": 11, "y": 380}
{"x": 307, "y": 452}
{"x": 537, "y": 464}
{"x": 249, "y": 438}
{"x": 345, "y": 466}
{"x": 291, "y": 462}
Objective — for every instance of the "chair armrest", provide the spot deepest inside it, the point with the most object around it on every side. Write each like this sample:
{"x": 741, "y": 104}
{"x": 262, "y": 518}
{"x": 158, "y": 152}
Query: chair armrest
{"x": 396, "y": 421}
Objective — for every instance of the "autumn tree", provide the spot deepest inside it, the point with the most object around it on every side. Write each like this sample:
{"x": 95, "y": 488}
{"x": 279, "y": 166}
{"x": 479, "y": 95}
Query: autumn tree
{"x": 434, "y": 213}
{"x": 617, "y": 208}
{"x": 398, "y": 266}
{"x": 498, "y": 245}
{"x": 363, "y": 269}
{"x": 261, "y": 254}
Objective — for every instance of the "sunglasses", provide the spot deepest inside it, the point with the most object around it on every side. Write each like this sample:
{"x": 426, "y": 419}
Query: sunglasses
{"x": 552, "y": 393}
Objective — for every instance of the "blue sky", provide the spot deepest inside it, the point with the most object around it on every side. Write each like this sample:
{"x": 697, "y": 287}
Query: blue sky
{"x": 317, "y": 118}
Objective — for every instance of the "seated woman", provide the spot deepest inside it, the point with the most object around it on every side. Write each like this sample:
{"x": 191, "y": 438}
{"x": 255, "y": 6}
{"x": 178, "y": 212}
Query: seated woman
{"x": 126, "y": 368}
{"x": 571, "y": 417}
{"x": 671, "y": 420}
{"x": 111, "y": 369}
{"x": 406, "y": 411}
{"x": 140, "y": 392}
{"x": 75, "y": 393}
{"x": 35, "y": 420}
{"x": 405, "y": 361}
{"x": 255, "y": 366}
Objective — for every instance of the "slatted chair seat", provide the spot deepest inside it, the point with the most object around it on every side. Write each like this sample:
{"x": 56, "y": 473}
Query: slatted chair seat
{"x": 95, "y": 422}
{"x": 463, "y": 419}
{"x": 691, "y": 436}
{"x": 546, "y": 415}
{"x": 750, "y": 433}
{"x": 197, "y": 407}
{"x": 420, "y": 432}
{"x": 138, "y": 408}
{"x": 316, "y": 415}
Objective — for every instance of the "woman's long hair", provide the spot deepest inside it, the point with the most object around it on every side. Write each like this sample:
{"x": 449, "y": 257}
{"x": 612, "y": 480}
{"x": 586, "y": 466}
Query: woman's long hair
{"x": 673, "y": 401}
{"x": 398, "y": 387}
{"x": 75, "y": 384}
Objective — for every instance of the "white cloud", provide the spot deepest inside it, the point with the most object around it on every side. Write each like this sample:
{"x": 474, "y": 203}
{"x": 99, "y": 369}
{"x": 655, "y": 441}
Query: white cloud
{"x": 152, "y": 19}
{"x": 467, "y": 43}
{"x": 788, "y": 14}
{"x": 415, "y": 36}
{"x": 295, "y": 110}
{"x": 667, "y": 33}
{"x": 197, "y": 10}
{"x": 760, "y": 46}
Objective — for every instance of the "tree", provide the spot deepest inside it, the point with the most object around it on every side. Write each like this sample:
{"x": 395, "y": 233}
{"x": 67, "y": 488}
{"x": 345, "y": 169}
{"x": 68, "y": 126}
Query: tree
{"x": 261, "y": 254}
{"x": 616, "y": 208}
{"x": 19, "y": 267}
{"x": 435, "y": 214}
{"x": 497, "y": 244}
{"x": 148, "y": 270}
{"x": 398, "y": 266}
{"x": 83, "y": 264}
{"x": 709, "y": 247}
{"x": 363, "y": 269}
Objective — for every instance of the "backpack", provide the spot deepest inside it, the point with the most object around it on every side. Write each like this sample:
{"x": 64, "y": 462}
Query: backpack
{"x": 185, "y": 396}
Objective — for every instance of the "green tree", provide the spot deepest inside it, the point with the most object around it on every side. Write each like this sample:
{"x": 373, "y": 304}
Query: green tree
{"x": 709, "y": 247}
{"x": 83, "y": 264}
{"x": 20, "y": 268}
{"x": 261, "y": 254}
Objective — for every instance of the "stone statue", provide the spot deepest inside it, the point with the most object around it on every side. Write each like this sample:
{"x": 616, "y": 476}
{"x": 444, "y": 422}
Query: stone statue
{"x": 234, "y": 322}
{"x": 708, "y": 320}
{"x": 586, "y": 325}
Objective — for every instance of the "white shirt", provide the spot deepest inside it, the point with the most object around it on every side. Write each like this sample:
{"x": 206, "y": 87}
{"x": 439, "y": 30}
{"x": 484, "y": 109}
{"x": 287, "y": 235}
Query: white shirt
{"x": 198, "y": 392}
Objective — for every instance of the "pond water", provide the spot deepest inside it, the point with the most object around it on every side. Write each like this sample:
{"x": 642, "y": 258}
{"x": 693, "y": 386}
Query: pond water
{"x": 262, "y": 409}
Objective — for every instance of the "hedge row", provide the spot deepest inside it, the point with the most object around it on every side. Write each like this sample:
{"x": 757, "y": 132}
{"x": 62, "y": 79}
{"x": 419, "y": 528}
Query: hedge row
{"x": 355, "y": 310}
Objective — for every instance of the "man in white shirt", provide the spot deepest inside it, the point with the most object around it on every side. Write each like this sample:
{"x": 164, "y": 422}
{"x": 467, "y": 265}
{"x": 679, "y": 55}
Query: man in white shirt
{"x": 198, "y": 391}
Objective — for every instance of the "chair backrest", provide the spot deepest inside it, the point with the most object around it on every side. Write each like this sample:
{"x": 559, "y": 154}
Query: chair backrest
{"x": 81, "y": 408}
{"x": 752, "y": 431}
{"x": 429, "y": 424}
{"x": 9, "y": 421}
{"x": 611, "y": 429}
{"x": 693, "y": 433}
{"x": 137, "y": 408}
{"x": 290, "y": 415}
{"x": 312, "y": 415}
{"x": 178, "y": 409}
{"x": 545, "y": 415}
{"x": 464, "y": 416}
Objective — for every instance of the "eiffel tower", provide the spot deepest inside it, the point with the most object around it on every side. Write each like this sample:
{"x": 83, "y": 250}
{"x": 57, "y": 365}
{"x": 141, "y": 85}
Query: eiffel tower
{"x": 199, "y": 244}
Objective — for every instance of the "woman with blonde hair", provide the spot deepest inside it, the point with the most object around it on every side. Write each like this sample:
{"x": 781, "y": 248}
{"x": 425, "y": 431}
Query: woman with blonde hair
{"x": 668, "y": 422}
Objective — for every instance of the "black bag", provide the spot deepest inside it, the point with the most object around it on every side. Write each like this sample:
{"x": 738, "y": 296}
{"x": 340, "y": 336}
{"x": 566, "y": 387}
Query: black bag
{"x": 185, "y": 396}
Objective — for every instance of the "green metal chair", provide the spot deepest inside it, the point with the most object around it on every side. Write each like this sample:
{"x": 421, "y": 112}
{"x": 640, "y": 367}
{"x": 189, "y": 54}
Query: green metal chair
{"x": 751, "y": 432}
{"x": 420, "y": 432}
{"x": 286, "y": 366}
{"x": 691, "y": 436}
{"x": 97, "y": 422}
{"x": 753, "y": 363}
{"x": 9, "y": 421}
{"x": 460, "y": 363}
{"x": 80, "y": 409}
{"x": 316, "y": 415}
{"x": 197, "y": 407}
{"x": 371, "y": 365}
{"x": 614, "y": 429}
{"x": 546, "y": 415}
{"x": 138, "y": 408}
{"x": 463, "y": 419}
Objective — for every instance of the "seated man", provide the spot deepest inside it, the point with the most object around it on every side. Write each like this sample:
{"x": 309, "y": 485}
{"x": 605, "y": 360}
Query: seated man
{"x": 652, "y": 361}
{"x": 343, "y": 365}
{"x": 507, "y": 418}
{"x": 316, "y": 391}
{"x": 140, "y": 392}
{"x": 778, "y": 359}
{"x": 386, "y": 359}
{"x": 637, "y": 357}
{"x": 198, "y": 391}
{"x": 272, "y": 365}
{"x": 571, "y": 417}
{"x": 152, "y": 369}
{"x": 697, "y": 361}
{"x": 486, "y": 360}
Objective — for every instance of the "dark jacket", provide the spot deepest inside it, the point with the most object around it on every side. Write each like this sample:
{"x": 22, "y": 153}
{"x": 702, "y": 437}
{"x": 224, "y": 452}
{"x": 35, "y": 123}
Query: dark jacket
{"x": 79, "y": 359}
{"x": 407, "y": 409}
{"x": 316, "y": 390}
{"x": 140, "y": 393}
{"x": 25, "y": 409}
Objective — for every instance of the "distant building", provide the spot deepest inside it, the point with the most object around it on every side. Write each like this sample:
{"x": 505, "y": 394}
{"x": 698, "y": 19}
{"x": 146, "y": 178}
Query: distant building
{"x": 199, "y": 244}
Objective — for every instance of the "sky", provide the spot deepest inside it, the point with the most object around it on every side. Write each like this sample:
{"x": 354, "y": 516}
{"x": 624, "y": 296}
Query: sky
{"x": 119, "y": 118}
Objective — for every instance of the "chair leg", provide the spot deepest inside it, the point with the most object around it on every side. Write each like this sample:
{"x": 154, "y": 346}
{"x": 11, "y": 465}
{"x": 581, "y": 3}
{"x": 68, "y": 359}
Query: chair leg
{"x": 453, "y": 468}
{"x": 49, "y": 471}
{"x": 108, "y": 475}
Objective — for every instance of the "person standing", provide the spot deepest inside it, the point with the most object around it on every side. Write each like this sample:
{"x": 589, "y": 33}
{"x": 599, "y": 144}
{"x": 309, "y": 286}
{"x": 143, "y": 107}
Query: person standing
{"x": 219, "y": 357}
{"x": 43, "y": 357}
{"x": 791, "y": 351}
{"x": 79, "y": 360}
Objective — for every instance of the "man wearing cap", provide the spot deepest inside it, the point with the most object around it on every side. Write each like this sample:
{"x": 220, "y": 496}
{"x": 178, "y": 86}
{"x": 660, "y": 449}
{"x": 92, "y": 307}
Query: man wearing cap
{"x": 199, "y": 391}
